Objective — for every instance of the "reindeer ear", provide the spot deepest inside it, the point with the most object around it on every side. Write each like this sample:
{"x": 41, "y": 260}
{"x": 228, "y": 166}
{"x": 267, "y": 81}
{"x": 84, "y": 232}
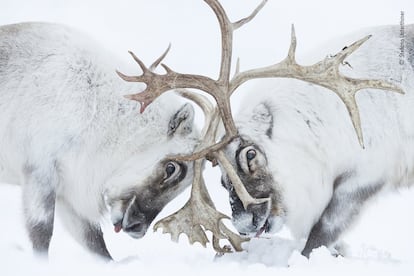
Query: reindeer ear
{"x": 263, "y": 119}
{"x": 182, "y": 121}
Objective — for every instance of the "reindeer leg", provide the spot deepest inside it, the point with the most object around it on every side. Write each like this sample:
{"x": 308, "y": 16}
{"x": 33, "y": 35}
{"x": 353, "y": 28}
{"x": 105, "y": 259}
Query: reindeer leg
{"x": 86, "y": 233}
{"x": 39, "y": 205}
{"x": 348, "y": 198}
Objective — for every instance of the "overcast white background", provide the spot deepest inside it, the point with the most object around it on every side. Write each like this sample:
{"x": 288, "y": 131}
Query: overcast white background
{"x": 146, "y": 27}
{"x": 382, "y": 242}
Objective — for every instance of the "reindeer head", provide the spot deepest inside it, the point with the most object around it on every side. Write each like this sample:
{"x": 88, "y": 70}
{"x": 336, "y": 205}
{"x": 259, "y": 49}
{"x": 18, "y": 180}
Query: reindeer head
{"x": 251, "y": 165}
{"x": 146, "y": 181}
{"x": 244, "y": 165}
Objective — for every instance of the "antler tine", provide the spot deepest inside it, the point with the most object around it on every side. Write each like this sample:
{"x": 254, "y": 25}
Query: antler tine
{"x": 126, "y": 78}
{"x": 241, "y": 22}
{"x": 237, "y": 67}
{"x": 348, "y": 50}
{"x": 139, "y": 62}
{"x": 160, "y": 59}
{"x": 292, "y": 48}
{"x": 324, "y": 73}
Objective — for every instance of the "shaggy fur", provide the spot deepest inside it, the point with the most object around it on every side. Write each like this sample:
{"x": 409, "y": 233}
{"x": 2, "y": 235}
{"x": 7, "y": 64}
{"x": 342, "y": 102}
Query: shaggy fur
{"x": 69, "y": 137}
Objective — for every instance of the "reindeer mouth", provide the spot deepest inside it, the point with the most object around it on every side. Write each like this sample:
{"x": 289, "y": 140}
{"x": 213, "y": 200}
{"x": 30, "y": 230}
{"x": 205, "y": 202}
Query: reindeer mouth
{"x": 135, "y": 229}
{"x": 132, "y": 221}
{"x": 265, "y": 228}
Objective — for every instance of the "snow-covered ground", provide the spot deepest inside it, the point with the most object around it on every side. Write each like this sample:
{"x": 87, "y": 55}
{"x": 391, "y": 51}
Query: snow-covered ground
{"x": 380, "y": 243}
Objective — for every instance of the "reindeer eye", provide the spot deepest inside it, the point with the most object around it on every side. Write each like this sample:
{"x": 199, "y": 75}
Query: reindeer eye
{"x": 169, "y": 169}
{"x": 249, "y": 159}
{"x": 172, "y": 169}
{"x": 250, "y": 154}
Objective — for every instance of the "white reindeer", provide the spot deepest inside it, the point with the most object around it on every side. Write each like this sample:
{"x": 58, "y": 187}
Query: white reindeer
{"x": 298, "y": 154}
{"x": 70, "y": 138}
{"x": 297, "y": 146}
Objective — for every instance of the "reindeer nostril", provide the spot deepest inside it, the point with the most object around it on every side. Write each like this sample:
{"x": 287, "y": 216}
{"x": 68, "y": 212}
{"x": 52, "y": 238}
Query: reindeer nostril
{"x": 134, "y": 227}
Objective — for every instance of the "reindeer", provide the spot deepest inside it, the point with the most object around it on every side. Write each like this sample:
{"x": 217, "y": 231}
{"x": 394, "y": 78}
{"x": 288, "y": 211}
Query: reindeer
{"x": 297, "y": 154}
{"x": 296, "y": 147}
{"x": 75, "y": 144}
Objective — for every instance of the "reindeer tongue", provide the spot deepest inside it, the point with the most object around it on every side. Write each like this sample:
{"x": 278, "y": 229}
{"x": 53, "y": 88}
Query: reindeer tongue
{"x": 117, "y": 228}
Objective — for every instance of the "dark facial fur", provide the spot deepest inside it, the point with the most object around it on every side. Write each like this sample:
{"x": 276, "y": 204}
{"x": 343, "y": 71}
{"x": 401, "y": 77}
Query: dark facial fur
{"x": 251, "y": 166}
{"x": 142, "y": 205}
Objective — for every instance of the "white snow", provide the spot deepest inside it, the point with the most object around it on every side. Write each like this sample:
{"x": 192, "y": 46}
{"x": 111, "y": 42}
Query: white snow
{"x": 380, "y": 244}
{"x": 382, "y": 241}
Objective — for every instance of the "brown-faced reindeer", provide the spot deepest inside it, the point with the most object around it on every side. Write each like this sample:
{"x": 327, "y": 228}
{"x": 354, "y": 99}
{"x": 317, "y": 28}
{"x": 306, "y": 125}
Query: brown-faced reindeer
{"x": 71, "y": 140}
{"x": 256, "y": 186}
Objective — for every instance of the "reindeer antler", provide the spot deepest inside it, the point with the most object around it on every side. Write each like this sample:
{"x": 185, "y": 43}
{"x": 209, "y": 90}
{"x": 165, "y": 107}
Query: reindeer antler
{"x": 324, "y": 73}
{"x": 199, "y": 214}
